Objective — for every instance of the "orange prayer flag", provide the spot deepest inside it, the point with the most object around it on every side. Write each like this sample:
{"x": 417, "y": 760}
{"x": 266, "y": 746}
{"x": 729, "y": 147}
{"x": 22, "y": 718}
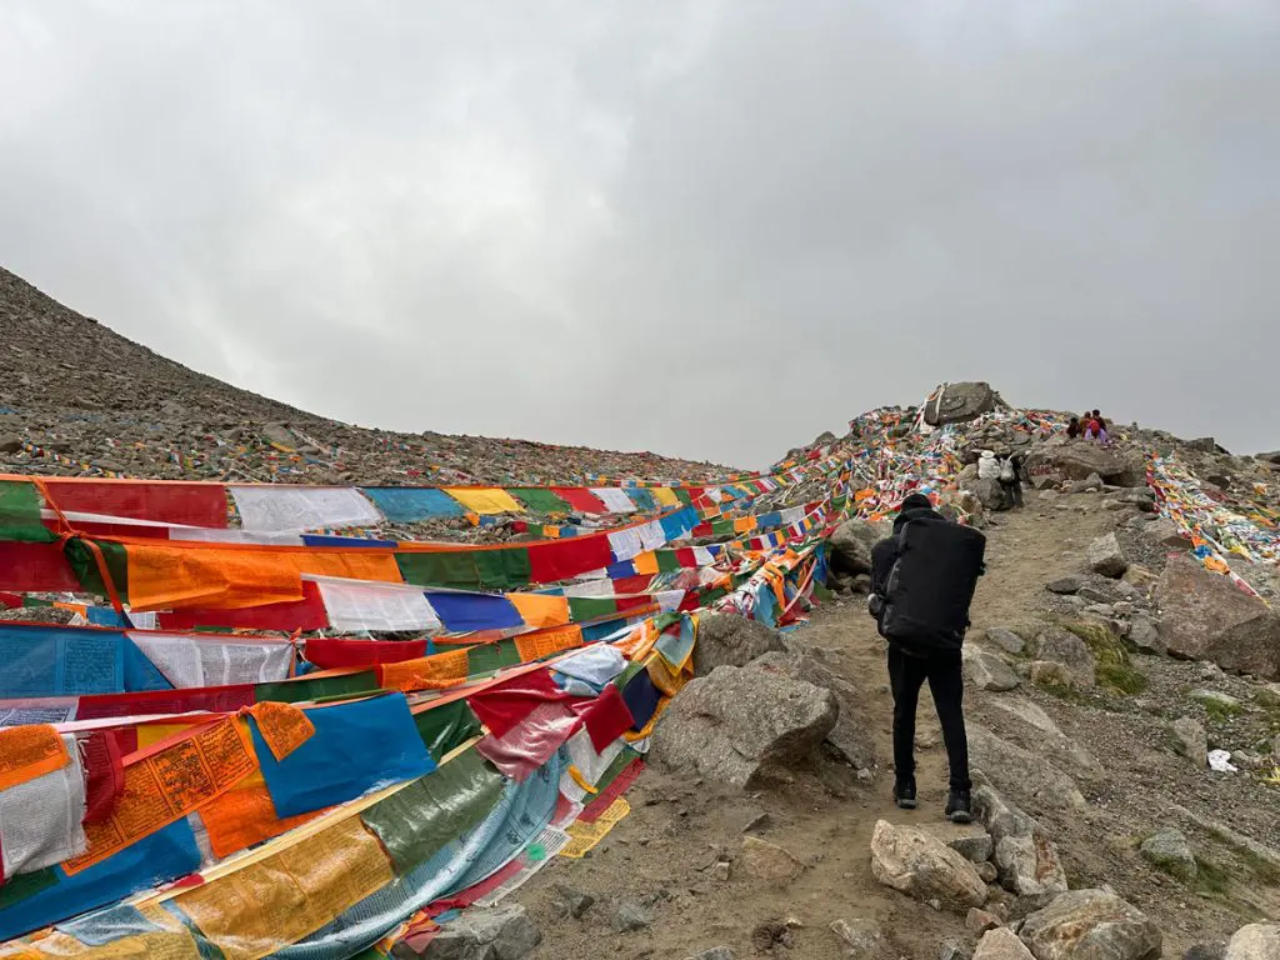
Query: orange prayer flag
{"x": 167, "y": 577}
{"x": 283, "y": 726}
{"x": 30, "y": 752}
{"x": 533, "y": 646}
{"x": 245, "y": 815}
{"x": 436, "y": 672}
{"x": 540, "y": 610}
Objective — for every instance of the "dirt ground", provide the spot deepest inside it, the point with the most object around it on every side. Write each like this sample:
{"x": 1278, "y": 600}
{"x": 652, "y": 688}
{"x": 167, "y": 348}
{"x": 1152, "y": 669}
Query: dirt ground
{"x": 662, "y": 856}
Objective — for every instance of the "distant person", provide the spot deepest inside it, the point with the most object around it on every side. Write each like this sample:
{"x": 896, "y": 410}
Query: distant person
{"x": 922, "y": 582}
{"x": 1074, "y": 429}
{"x": 1011, "y": 480}
{"x": 1100, "y": 429}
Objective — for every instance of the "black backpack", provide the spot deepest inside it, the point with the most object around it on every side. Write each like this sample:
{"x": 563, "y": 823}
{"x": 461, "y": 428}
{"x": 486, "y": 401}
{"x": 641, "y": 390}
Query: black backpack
{"x": 931, "y": 585}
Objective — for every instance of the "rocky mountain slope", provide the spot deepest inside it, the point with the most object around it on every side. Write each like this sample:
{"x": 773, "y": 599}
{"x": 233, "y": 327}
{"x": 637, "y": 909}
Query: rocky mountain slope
{"x": 78, "y": 399}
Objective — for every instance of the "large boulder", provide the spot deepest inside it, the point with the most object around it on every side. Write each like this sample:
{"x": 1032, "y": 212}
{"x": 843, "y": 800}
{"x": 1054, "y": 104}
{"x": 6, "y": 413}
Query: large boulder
{"x": 1021, "y": 771}
{"x": 1026, "y": 859}
{"x": 729, "y": 639}
{"x": 1106, "y": 557}
{"x": 851, "y": 544}
{"x": 960, "y": 403}
{"x": 849, "y": 737}
{"x": 505, "y": 932}
{"x": 920, "y": 865}
{"x": 1257, "y": 941}
{"x": 1078, "y": 460}
{"x": 738, "y": 722}
{"x": 988, "y": 491}
{"x": 986, "y": 671}
{"x": 1091, "y": 925}
{"x": 1204, "y": 616}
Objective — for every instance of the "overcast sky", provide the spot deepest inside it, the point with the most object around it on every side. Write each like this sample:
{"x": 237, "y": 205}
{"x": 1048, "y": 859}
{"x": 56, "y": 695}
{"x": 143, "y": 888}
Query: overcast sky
{"x": 708, "y": 229}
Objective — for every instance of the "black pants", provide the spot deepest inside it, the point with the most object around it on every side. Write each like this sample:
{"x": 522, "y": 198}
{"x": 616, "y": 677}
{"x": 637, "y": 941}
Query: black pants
{"x": 907, "y": 675}
{"x": 1013, "y": 492}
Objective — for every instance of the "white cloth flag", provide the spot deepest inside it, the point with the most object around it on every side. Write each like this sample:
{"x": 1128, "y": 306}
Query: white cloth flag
{"x": 792, "y": 515}
{"x": 625, "y": 544}
{"x": 651, "y": 535}
{"x": 279, "y": 509}
{"x": 358, "y": 605}
{"x": 40, "y": 820}
{"x": 669, "y": 600}
{"x": 596, "y": 664}
{"x": 702, "y": 556}
{"x": 187, "y": 662}
{"x": 615, "y": 499}
{"x": 591, "y": 765}
{"x": 591, "y": 588}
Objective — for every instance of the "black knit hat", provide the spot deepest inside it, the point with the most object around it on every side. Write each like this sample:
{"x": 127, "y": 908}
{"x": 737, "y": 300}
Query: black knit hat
{"x": 917, "y": 501}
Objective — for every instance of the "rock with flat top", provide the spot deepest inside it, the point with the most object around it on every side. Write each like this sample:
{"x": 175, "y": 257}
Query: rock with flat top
{"x": 769, "y": 862}
{"x": 1257, "y": 941}
{"x": 920, "y": 865}
{"x": 1106, "y": 558}
{"x": 1204, "y": 616}
{"x": 737, "y": 723}
{"x": 1001, "y": 944}
{"x": 729, "y": 639}
{"x": 1091, "y": 925}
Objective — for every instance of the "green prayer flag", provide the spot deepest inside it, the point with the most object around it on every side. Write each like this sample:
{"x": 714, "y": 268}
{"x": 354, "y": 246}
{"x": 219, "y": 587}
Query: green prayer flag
{"x": 20, "y": 505}
{"x": 415, "y": 823}
{"x": 540, "y": 501}
{"x": 446, "y": 727}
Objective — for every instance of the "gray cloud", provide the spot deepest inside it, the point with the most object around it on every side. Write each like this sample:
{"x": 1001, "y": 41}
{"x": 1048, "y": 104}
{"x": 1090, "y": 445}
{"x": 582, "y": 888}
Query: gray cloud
{"x": 709, "y": 229}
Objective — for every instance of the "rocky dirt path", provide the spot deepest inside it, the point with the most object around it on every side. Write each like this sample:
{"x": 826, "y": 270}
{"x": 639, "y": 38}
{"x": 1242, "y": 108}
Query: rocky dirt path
{"x": 657, "y": 872}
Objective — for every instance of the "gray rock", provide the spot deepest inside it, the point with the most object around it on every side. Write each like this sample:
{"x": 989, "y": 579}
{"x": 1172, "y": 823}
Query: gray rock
{"x": 737, "y": 722}
{"x": 1006, "y": 640}
{"x": 1167, "y": 534}
{"x": 987, "y": 671}
{"x": 1145, "y": 635}
{"x": 10, "y": 444}
{"x": 1001, "y": 944}
{"x": 1169, "y": 851}
{"x": 1078, "y": 460}
{"x": 970, "y": 840}
{"x": 630, "y": 916}
{"x": 953, "y": 948}
{"x": 732, "y": 640}
{"x": 1091, "y": 925}
{"x": 1206, "y": 617}
{"x": 851, "y": 544}
{"x": 808, "y": 664}
{"x": 1053, "y": 742}
{"x": 1062, "y": 646}
{"x": 989, "y": 492}
{"x": 715, "y": 953}
{"x": 1022, "y": 772}
{"x": 1191, "y": 741}
{"x": 1065, "y": 585}
{"x": 859, "y": 939}
{"x": 1106, "y": 557}
{"x": 1257, "y": 941}
{"x": 504, "y": 932}
{"x": 1026, "y": 860}
{"x": 575, "y": 902}
{"x": 960, "y": 403}
{"x": 920, "y": 865}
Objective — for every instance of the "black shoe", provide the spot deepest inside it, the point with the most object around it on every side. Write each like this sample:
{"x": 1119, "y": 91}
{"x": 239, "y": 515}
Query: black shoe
{"x": 958, "y": 807}
{"x": 904, "y": 794}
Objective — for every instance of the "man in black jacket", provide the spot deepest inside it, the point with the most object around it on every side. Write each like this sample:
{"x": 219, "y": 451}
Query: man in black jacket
{"x": 911, "y": 663}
